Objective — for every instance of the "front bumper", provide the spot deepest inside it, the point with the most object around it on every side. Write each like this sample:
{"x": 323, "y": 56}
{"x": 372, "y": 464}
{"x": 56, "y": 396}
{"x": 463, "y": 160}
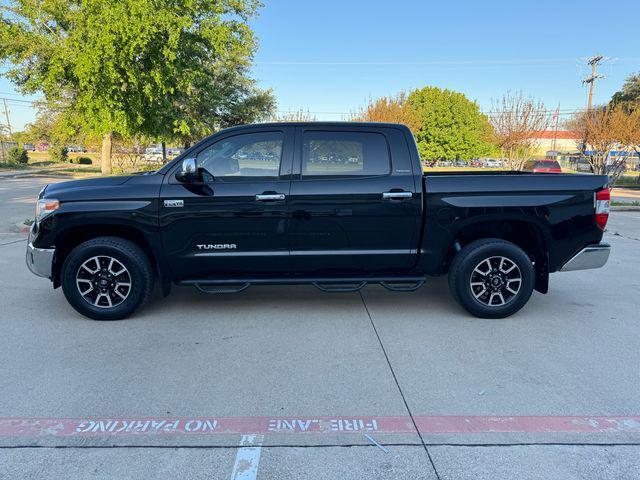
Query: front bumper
{"x": 591, "y": 256}
{"x": 40, "y": 260}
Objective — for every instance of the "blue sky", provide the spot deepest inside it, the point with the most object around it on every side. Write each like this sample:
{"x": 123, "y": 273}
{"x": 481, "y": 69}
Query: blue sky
{"x": 330, "y": 56}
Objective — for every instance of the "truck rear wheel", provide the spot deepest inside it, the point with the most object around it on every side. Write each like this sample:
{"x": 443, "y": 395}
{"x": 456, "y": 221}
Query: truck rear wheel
{"x": 107, "y": 278}
{"x": 491, "y": 278}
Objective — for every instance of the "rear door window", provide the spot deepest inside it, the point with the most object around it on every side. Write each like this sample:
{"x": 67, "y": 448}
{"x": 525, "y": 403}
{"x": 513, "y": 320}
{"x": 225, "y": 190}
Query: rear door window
{"x": 344, "y": 154}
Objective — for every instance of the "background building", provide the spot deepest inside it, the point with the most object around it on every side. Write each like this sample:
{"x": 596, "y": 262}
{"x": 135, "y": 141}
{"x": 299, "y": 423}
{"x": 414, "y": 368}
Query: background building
{"x": 564, "y": 141}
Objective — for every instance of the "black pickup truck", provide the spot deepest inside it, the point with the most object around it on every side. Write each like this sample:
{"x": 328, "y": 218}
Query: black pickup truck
{"x": 336, "y": 205}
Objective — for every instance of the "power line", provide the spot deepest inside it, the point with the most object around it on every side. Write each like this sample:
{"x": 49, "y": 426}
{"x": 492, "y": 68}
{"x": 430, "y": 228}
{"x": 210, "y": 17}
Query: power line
{"x": 494, "y": 61}
{"x": 427, "y": 62}
{"x": 9, "y": 93}
{"x": 562, "y": 112}
{"x": 19, "y": 100}
{"x": 485, "y": 112}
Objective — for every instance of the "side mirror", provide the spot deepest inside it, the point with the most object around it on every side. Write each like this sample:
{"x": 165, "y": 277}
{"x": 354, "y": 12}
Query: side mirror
{"x": 188, "y": 172}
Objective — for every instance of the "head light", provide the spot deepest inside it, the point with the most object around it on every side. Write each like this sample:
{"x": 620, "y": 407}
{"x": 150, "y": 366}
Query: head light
{"x": 45, "y": 207}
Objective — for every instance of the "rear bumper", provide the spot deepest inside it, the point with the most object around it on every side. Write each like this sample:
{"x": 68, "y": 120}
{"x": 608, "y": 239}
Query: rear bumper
{"x": 591, "y": 256}
{"x": 40, "y": 260}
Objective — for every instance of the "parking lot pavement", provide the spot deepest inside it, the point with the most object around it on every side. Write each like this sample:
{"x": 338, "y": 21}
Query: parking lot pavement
{"x": 17, "y": 202}
{"x": 345, "y": 463}
{"x": 538, "y": 462}
{"x": 272, "y": 352}
{"x": 564, "y": 354}
{"x": 522, "y": 462}
{"x": 321, "y": 378}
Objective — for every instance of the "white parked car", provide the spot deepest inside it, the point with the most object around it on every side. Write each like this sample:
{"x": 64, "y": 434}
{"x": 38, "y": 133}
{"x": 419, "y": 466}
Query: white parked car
{"x": 492, "y": 163}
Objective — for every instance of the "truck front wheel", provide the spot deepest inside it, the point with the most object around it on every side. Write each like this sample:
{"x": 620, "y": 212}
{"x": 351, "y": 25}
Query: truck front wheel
{"x": 491, "y": 278}
{"x": 107, "y": 278}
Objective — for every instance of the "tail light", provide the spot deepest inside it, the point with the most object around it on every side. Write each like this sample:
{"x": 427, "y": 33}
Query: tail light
{"x": 603, "y": 203}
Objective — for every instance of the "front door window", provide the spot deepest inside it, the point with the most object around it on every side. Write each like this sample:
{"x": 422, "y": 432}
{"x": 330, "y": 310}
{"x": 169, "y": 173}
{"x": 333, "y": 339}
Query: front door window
{"x": 245, "y": 157}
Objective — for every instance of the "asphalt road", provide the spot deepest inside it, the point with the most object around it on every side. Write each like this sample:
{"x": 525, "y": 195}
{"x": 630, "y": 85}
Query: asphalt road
{"x": 551, "y": 393}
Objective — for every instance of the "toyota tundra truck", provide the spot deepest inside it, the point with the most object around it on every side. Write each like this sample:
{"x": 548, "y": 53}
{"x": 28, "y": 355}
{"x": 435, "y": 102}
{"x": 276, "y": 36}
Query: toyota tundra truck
{"x": 336, "y": 205}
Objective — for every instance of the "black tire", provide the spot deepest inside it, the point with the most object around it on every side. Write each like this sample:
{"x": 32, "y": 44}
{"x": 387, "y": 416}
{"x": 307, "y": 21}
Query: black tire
{"x": 483, "y": 298}
{"x": 139, "y": 274}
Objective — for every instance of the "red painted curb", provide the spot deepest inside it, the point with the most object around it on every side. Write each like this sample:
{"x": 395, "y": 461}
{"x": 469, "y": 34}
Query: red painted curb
{"x": 111, "y": 426}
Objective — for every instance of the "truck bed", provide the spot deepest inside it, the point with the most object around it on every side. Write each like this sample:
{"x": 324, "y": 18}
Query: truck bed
{"x": 557, "y": 210}
{"x": 504, "y": 183}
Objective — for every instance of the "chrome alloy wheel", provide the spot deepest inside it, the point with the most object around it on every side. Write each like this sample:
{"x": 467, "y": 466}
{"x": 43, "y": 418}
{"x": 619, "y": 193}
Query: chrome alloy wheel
{"x": 495, "y": 281}
{"x": 103, "y": 281}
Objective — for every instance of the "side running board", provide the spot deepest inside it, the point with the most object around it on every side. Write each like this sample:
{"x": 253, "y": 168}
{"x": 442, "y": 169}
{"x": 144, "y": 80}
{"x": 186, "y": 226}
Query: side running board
{"x": 402, "y": 286}
{"x": 222, "y": 288}
{"x": 329, "y": 285}
{"x": 337, "y": 288}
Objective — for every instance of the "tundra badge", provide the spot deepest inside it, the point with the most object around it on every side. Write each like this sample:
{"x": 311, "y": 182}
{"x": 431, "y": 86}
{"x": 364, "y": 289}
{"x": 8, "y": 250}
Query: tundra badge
{"x": 217, "y": 246}
{"x": 173, "y": 203}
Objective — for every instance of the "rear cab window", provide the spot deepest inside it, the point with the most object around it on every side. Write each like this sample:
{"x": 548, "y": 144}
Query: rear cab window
{"x": 552, "y": 164}
{"x": 546, "y": 164}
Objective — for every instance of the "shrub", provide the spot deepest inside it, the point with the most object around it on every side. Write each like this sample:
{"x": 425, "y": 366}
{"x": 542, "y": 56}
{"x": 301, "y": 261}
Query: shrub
{"x": 17, "y": 155}
{"x": 58, "y": 154}
{"x": 82, "y": 160}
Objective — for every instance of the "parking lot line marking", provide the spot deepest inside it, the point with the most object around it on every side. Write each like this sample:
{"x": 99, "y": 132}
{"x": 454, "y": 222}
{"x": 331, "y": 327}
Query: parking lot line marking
{"x": 323, "y": 425}
{"x": 247, "y": 458}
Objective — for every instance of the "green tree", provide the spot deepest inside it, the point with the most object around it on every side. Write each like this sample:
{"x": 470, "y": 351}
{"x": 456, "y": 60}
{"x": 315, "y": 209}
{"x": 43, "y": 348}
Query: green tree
{"x": 449, "y": 125}
{"x": 629, "y": 96}
{"x": 53, "y": 126}
{"x": 162, "y": 68}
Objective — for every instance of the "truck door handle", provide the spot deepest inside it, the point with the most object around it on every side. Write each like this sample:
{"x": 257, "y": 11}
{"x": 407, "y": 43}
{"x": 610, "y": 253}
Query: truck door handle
{"x": 396, "y": 195}
{"x": 270, "y": 197}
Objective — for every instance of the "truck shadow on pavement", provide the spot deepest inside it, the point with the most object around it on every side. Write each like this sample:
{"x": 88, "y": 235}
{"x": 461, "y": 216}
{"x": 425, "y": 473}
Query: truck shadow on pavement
{"x": 431, "y": 300}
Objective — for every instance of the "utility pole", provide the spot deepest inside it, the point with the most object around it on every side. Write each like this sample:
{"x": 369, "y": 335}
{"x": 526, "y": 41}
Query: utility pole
{"x": 6, "y": 115}
{"x": 556, "y": 114}
{"x": 591, "y": 80}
